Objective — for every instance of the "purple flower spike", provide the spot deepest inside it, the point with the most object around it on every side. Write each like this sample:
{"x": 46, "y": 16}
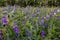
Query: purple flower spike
{"x": 42, "y": 33}
{"x": 14, "y": 23}
{"x": 32, "y": 14}
{"x": 4, "y": 20}
{"x": 51, "y": 13}
{"x": 45, "y": 24}
{"x": 15, "y": 29}
{"x": 58, "y": 17}
{"x": 9, "y": 7}
{"x": 42, "y": 21}
{"x": 28, "y": 33}
{"x": 47, "y": 16}
{"x": 55, "y": 10}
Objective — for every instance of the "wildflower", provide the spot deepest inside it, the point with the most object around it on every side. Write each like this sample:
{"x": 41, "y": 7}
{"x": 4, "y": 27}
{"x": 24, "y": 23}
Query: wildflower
{"x": 47, "y": 16}
{"x": 28, "y": 33}
{"x": 58, "y": 17}
{"x": 37, "y": 10}
{"x": 58, "y": 10}
{"x": 15, "y": 29}
{"x": 42, "y": 33}
{"x": 54, "y": 13}
{"x": 42, "y": 21}
{"x": 4, "y": 20}
{"x": 51, "y": 13}
{"x": 32, "y": 14}
{"x": 55, "y": 10}
{"x": 9, "y": 7}
{"x": 45, "y": 24}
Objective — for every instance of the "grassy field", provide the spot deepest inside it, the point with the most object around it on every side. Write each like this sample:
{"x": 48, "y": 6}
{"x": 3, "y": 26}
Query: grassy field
{"x": 30, "y": 23}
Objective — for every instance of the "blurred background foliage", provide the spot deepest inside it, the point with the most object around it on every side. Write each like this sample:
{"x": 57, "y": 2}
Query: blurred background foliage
{"x": 30, "y": 2}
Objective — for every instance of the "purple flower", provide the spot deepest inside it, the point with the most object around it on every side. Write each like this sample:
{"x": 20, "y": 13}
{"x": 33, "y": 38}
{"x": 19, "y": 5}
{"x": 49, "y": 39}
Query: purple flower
{"x": 9, "y": 7}
{"x": 47, "y": 16}
{"x": 15, "y": 29}
{"x": 32, "y": 14}
{"x": 28, "y": 33}
{"x": 4, "y": 20}
{"x": 55, "y": 10}
{"x": 0, "y": 34}
{"x": 45, "y": 24}
{"x": 42, "y": 33}
{"x": 42, "y": 20}
{"x": 58, "y": 17}
{"x": 51, "y": 13}
{"x": 37, "y": 10}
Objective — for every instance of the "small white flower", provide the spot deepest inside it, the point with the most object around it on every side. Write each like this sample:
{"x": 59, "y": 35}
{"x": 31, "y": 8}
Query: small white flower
{"x": 54, "y": 13}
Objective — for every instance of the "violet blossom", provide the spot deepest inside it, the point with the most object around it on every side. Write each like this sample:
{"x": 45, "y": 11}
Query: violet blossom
{"x": 51, "y": 13}
{"x": 42, "y": 20}
{"x": 45, "y": 24}
{"x": 42, "y": 33}
{"x": 47, "y": 16}
{"x": 58, "y": 17}
{"x": 28, "y": 33}
{"x": 4, "y": 20}
{"x": 15, "y": 29}
{"x": 9, "y": 7}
